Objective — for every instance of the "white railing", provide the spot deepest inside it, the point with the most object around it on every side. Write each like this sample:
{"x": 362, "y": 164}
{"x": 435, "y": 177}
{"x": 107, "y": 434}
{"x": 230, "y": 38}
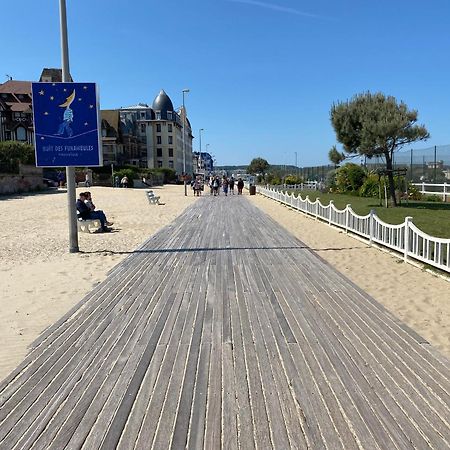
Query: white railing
{"x": 307, "y": 185}
{"x": 442, "y": 189}
{"x": 405, "y": 238}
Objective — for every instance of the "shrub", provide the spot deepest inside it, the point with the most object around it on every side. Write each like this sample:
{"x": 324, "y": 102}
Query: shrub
{"x": 371, "y": 187}
{"x": 433, "y": 198}
{"x": 414, "y": 193}
{"x": 350, "y": 178}
{"x": 293, "y": 179}
{"x": 12, "y": 153}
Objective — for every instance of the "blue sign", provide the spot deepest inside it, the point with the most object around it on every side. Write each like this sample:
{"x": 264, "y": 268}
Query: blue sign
{"x": 66, "y": 125}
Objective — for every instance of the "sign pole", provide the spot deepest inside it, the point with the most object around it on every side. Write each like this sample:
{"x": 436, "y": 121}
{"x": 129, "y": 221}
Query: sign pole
{"x": 70, "y": 171}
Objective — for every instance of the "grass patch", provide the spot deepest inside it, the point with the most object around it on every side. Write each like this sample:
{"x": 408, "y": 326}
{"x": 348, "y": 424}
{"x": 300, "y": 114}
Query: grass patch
{"x": 431, "y": 217}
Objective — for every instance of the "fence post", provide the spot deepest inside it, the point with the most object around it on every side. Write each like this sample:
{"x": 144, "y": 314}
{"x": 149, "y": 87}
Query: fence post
{"x": 329, "y": 214}
{"x": 444, "y": 195}
{"x": 371, "y": 226}
{"x": 347, "y": 217}
{"x": 406, "y": 243}
{"x": 317, "y": 207}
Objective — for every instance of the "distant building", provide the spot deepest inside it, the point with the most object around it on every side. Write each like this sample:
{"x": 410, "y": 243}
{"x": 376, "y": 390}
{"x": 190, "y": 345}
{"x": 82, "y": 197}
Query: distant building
{"x": 202, "y": 163}
{"x": 151, "y": 137}
{"x": 16, "y": 114}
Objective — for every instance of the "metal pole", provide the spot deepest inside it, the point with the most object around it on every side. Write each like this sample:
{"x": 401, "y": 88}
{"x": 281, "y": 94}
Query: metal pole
{"x": 70, "y": 171}
{"x": 435, "y": 164}
{"x": 184, "y": 143}
{"x": 411, "y": 167}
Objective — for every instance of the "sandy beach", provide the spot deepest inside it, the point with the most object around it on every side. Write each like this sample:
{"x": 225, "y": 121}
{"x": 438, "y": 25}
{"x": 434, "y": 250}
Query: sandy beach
{"x": 40, "y": 280}
{"x": 415, "y": 296}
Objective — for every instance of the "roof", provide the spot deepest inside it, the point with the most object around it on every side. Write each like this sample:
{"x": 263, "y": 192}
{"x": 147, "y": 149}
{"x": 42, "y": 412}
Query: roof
{"x": 16, "y": 87}
{"x": 55, "y": 75}
{"x": 162, "y": 102}
{"x": 138, "y": 106}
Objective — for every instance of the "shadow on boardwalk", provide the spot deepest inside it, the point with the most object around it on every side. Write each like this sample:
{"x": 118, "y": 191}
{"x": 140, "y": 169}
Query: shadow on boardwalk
{"x": 220, "y": 333}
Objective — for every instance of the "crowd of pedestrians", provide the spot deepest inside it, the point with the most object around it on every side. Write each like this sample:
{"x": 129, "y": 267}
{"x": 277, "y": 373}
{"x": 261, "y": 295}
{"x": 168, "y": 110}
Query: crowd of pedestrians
{"x": 225, "y": 184}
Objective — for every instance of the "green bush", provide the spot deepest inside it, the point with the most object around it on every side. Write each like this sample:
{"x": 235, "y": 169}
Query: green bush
{"x": 350, "y": 178}
{"x": 371, "y": 187}
{"x": 292, "y": 179}
{"x": 12, "y": 153}
{"x": 414, "y": 193}
{"x": 433, "y": 198}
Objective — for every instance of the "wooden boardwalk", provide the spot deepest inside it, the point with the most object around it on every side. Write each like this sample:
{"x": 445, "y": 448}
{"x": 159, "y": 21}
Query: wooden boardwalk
{"x": 224, "y": 331}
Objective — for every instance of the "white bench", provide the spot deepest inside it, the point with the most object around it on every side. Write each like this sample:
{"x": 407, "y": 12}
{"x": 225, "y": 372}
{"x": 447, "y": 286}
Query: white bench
{"x": 152, "y": 198}
{"x": 84, "y": 225}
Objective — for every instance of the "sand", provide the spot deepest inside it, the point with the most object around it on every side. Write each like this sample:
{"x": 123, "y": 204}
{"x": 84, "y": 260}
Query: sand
{"x": 418, "y": 298}
{"x": 40, "y": 280}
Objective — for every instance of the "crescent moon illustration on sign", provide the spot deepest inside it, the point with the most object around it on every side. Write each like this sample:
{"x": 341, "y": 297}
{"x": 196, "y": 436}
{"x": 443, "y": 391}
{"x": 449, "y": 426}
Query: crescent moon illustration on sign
{"x": 69, "y": 100}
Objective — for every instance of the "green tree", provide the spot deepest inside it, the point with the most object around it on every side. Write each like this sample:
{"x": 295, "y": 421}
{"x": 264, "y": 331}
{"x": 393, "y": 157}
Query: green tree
{"x": 374, "y": 125}
{"x": 335, "y": 156}
{"x": 350, "y": 177}
{"x": 12, "y": 153}
{"x": 258, "y": 165}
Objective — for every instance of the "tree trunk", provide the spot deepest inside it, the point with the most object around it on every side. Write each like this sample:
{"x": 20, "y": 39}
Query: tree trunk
{"x": 390, "y": 175}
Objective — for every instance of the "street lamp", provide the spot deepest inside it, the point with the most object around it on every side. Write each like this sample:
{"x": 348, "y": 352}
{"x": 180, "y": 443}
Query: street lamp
{"x": 200, "y": 139}
{"x": 184, "y": 91}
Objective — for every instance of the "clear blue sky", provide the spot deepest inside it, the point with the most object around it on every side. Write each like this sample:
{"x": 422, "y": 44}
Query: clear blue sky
{"x": 262, "y": 74}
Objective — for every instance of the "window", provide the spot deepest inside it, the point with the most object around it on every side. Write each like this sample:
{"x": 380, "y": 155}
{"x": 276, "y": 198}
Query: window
{"x": 142, "y": 127}
{"x": 158, "y": 128}
{"x": 171, "y": 164}
{"x": 158, "y": 140}
{"x": 158, "y": 115}
{"x": 169, "y": 115}
{"x": 170, "y": 152}
{"x": 159, "y": 152}
{"x": 159, "y": 164}
{"x": 142, "y": 115}
{"x": 169, "y": 128}
{"x": 170, "y": 140}
{"x": 21, "y": 134}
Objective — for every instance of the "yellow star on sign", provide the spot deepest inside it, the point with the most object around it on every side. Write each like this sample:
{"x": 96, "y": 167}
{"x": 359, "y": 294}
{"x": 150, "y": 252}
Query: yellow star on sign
{"x": 52, "y": 98}
{"x": 41, "y": 92}
{"x": 46, "y": 113}
{"x": 91, "y": 106}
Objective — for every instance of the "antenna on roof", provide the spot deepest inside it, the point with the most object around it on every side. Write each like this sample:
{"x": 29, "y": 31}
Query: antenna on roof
{"x": 9, "y": 77}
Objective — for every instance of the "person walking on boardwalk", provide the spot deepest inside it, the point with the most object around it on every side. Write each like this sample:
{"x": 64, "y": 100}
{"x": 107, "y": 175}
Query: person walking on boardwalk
{"x": 216, "y": 185}
{"x": 240, "y": 186}
{"x": 231, "y": 185}
{"x": 225, "y": 185}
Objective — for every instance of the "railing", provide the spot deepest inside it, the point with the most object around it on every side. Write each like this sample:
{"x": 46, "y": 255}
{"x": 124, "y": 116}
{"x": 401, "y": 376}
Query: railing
{"x": 434, "y": 189}
{"x": 307, "y": 185}
{"x": 405, "y": 238}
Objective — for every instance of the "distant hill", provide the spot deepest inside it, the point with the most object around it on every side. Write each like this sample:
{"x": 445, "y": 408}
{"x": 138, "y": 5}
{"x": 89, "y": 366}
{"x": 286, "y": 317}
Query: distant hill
{"x": 231, "y": 168}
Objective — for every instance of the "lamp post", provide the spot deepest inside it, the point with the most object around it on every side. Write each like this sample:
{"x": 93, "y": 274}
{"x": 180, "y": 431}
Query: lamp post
{"x": 70, "y": 171}
{"x": 206, "y": 151}
{"x": 200, "y": 139}
{"x": 184, "y": 91}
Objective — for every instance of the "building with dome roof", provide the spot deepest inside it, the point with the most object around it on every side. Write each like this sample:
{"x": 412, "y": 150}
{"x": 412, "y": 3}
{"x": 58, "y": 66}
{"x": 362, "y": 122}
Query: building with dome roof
{"x": 152, "y": 137}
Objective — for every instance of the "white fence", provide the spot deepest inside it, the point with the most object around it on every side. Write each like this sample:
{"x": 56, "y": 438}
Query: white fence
{"x": 442, "y": 189}
{"x": 405, "y": 238}
{"x": 307, "y": 185}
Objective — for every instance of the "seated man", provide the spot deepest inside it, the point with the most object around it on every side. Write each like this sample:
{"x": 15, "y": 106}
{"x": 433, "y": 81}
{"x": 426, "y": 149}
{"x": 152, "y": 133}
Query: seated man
{"x": 86, "y": 214}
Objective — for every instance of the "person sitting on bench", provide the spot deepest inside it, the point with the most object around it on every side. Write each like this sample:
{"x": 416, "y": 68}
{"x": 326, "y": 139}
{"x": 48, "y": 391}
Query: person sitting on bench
{"x": 86, "y": 214}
